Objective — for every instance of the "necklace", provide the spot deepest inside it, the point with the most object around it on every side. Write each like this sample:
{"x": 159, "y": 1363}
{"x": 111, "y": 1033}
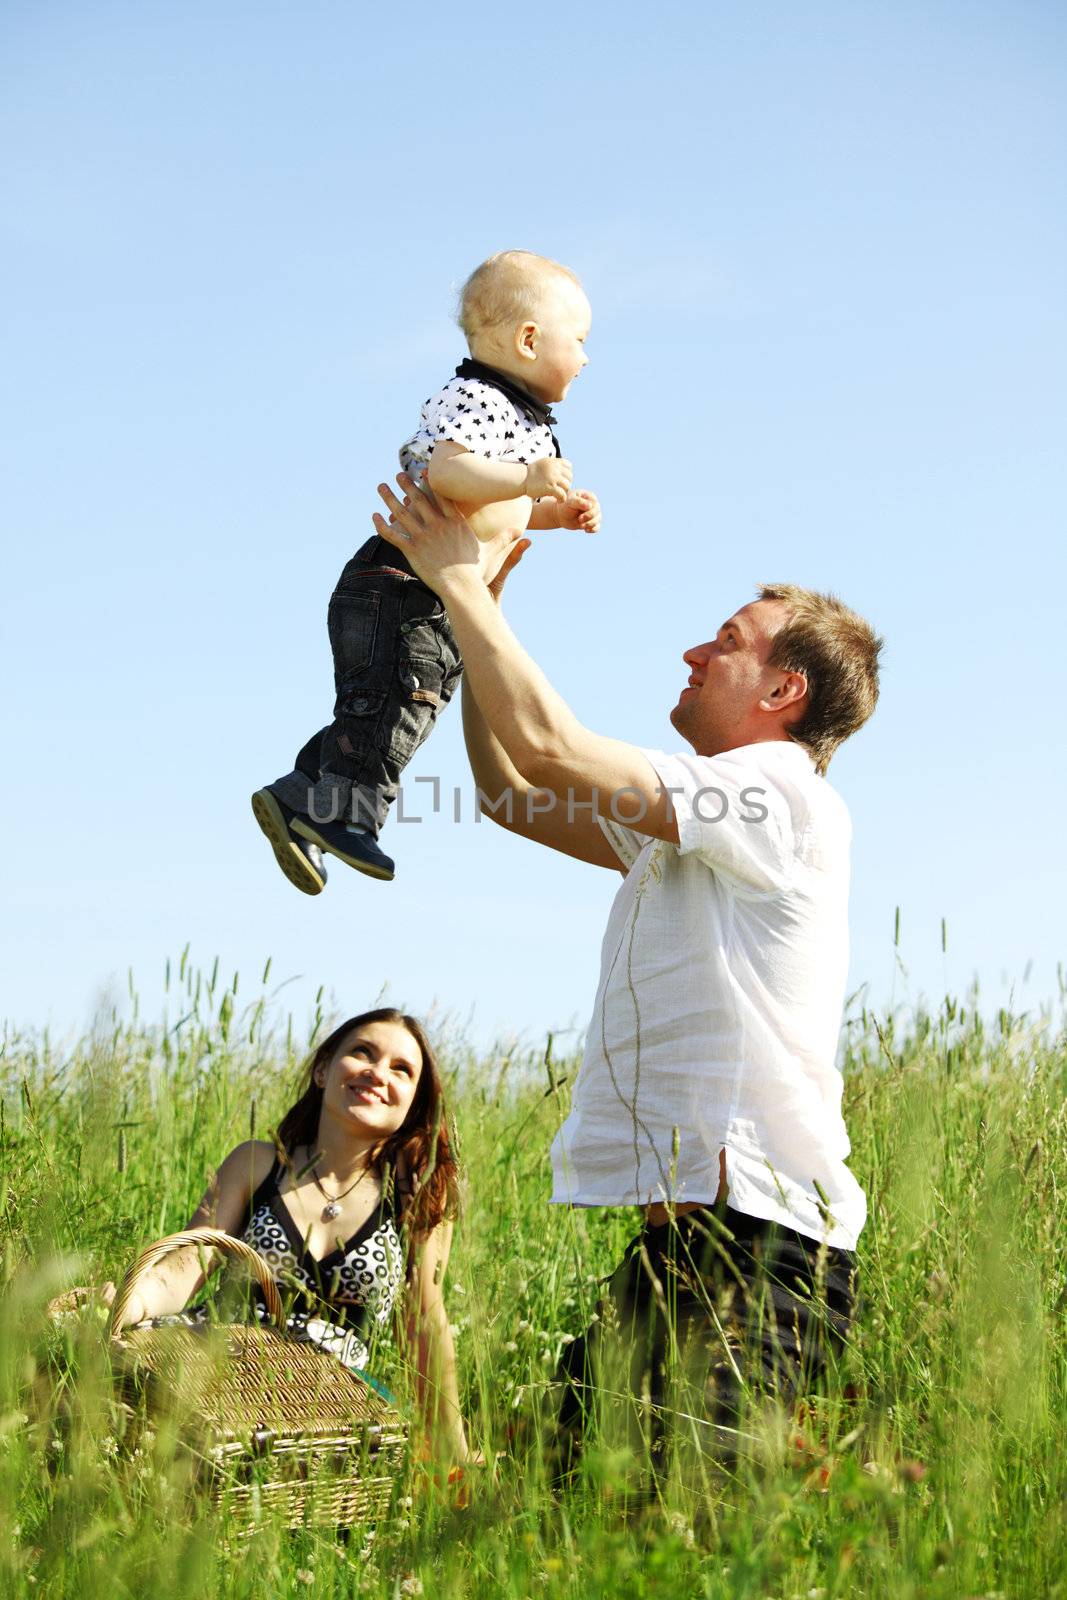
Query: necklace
{"x": 332, "y": 1208}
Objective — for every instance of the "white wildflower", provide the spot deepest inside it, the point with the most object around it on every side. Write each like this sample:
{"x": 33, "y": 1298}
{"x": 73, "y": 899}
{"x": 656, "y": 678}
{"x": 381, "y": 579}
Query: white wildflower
{"x": 678, "y": 1525}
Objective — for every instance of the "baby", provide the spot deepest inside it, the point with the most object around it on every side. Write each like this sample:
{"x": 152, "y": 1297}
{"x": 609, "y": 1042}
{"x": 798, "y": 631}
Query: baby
{"x": 485, "y": 441}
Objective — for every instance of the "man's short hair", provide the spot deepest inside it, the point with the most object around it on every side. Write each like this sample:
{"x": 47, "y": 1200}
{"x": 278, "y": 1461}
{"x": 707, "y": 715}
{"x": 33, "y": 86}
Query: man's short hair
{"x": 504, "y": 288}
{"x": 837, "y": 652}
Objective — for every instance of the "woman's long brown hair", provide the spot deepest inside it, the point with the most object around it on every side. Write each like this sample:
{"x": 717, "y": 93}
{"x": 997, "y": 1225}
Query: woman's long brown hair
{"x": 417, "y": 1160}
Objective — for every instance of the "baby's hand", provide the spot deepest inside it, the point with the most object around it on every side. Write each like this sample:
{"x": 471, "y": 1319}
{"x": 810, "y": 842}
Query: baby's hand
{"x": 551, "y": 476}
{"x": 580, "y": 512}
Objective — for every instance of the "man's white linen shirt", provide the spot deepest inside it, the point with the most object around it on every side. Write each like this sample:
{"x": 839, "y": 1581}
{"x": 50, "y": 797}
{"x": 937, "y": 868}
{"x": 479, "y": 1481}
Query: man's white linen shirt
{"x": 717, "y": 1015}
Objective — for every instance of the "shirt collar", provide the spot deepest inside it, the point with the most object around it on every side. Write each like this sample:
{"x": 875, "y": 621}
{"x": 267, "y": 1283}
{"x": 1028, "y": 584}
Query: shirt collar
{"x": 535, "y": 409}
{"x": 791, "y": 749}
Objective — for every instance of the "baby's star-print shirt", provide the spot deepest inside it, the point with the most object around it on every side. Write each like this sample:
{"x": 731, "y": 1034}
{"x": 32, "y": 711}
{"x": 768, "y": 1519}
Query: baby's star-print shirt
{"x": 481, "y": 418}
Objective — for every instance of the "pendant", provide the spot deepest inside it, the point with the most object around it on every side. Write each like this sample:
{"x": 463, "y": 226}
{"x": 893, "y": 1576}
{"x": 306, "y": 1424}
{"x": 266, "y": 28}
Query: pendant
{"x": 331, "y": 1211}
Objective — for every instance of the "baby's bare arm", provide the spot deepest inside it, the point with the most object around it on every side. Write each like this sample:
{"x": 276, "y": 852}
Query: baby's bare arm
{"x": 545, "y": 514}
{"x": 471, "y": 480}
{"x": 459, "y": 474}
{"x": 580, "y": 510}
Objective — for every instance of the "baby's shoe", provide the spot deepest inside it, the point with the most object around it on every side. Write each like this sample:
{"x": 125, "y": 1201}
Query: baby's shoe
{"x": 300, "y": 859}
{"x": 356, "y": 847}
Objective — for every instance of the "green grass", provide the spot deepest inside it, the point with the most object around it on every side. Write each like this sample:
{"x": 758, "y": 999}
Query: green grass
{"x": 945, "y": 1475}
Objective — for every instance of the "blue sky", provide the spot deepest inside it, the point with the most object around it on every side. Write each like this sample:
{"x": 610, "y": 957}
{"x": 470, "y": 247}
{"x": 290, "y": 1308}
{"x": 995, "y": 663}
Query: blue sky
{"x": 825, "y": 249}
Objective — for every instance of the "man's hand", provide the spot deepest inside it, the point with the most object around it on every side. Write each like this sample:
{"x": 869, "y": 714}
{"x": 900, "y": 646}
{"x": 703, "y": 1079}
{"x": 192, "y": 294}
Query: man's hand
{"x": 551, "y": 476}
{"x": 536, "y": 731}
{"x": 440, "y": 543}
{"x": 511, "y": 561}
{"x": 580, "y": 512}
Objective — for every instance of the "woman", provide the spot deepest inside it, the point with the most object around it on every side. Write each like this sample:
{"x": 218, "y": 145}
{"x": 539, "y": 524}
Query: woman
{"x": 356, "y": 1201}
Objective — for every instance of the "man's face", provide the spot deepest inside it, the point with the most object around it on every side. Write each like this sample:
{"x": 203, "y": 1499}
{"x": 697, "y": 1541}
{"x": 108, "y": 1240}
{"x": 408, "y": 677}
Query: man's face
{"x": 728, "y": 677}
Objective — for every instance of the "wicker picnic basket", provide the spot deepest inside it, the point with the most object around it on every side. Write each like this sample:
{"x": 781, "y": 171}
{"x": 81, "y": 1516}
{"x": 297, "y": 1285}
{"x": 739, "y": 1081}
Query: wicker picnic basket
{"x": 272, "y": 1423}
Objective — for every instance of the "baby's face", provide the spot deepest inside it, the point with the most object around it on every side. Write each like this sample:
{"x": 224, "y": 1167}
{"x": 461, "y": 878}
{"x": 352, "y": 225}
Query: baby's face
{"x": 563, "y": 319}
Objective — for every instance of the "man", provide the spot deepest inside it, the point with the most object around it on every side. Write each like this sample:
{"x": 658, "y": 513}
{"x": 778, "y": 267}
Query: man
{"x": 708, "y": 1092}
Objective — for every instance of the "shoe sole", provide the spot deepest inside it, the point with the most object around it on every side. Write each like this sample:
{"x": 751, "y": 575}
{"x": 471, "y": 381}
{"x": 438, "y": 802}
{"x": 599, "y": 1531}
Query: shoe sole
{"x": 306, "y": 830}
{"x": 296, "y": 866}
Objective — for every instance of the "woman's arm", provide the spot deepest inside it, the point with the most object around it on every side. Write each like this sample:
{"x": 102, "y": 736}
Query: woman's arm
{"x": 169, "y": 1287}
{"x": 429, "y": 1345}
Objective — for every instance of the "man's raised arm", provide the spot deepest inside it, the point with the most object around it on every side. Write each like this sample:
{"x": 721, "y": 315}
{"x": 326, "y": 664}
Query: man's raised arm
{"x": 532, "y": 724}
{"x": 503, "y": 792}
{"x": 537, "y": 814}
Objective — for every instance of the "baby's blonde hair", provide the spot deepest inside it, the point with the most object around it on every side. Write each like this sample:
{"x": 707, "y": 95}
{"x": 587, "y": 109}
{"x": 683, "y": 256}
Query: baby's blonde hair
{"x": 504, "y": 288}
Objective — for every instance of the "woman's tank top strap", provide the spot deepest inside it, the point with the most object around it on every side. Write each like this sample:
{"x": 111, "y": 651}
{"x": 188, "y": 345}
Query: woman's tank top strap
{"x": 263, "y": 1192}
{"x": 398, "y": 1190}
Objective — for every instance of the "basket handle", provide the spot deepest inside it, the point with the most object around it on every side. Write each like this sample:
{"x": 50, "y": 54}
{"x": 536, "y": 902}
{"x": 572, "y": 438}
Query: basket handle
{"x": 213, "y": 1238}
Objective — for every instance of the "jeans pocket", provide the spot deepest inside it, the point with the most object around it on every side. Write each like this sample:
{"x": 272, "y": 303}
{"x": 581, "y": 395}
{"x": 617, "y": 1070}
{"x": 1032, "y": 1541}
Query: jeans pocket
{"x": 354, "y": 746}
{"x": 355, "y": 698}
{"x": 420, "y": 638}
{"x": 352, "y": 620}
{"x": 420, "y": 661}
{"x": 413, "y": 722}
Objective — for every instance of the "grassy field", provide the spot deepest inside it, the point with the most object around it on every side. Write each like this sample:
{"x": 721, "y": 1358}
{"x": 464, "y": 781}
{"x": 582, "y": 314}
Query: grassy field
{"x": 935, "y": 1465}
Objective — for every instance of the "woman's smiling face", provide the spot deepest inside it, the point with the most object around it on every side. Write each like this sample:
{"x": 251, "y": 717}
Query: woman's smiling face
{"x": 371, "y": 1082}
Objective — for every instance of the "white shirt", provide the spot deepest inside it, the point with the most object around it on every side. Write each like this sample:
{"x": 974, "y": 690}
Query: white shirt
{"x": 716, "y": 1021}
{"x": 482, "y": 420}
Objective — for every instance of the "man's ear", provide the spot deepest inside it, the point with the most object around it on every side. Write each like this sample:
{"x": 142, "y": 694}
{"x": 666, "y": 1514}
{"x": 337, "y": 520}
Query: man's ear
{"x": 789, "y": 693}
{"x": 527, "y": 338}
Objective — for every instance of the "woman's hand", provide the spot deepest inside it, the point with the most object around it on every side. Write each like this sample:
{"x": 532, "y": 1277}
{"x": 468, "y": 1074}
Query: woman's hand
{"x": 136, "y": 1311}
{"x": 95, "y": 1297}
{"x": 439, "y": 542}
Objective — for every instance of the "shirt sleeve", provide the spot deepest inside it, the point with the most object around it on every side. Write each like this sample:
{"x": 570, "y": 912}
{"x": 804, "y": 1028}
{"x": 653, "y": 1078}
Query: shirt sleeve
{"x": 626, "y": 842}
{"x": 731, "y": 815}
{"x": 471, "y": 415}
